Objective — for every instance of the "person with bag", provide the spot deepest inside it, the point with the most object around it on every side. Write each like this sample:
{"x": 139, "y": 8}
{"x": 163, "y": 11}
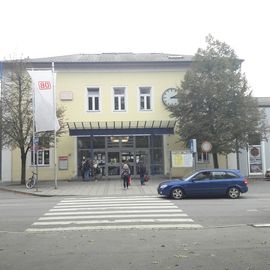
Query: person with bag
{"x": 125, "y": 174}
{"x": 129, "y": 180}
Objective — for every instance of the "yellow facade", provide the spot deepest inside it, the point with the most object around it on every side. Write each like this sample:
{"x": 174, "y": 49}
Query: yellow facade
{"x": 76, "y": 109}
{"x": 75, "y": 81}
{"x": 78, "y": 82}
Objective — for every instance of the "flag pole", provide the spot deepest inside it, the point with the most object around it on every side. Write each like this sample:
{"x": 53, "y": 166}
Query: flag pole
{"x": 34, "y": 140}
{"x": 55, "y": 152}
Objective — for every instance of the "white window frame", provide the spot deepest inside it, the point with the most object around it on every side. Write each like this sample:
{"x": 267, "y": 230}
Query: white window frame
{"x": 93, "y": 96}
{"x": 203, "y": 157}
{"x": 119, "y": 97}
{"x": 40, "y": 153}
{"x": 145, "y": 96}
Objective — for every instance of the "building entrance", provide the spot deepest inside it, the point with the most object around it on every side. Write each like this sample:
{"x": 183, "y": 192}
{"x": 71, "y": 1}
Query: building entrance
{"x": 111, "y": 152}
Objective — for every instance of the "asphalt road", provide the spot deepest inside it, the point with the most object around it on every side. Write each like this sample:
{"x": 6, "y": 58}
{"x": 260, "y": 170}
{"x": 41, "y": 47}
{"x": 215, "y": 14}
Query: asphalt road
{"x": 227, "y": 238}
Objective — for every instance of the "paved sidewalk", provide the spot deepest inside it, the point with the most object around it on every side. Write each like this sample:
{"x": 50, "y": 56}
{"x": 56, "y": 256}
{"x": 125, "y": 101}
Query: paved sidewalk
{"x": 113, "y": 187}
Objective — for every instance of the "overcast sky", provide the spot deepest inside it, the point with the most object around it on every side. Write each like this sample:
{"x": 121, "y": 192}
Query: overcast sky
{"x": 42, "y": 28}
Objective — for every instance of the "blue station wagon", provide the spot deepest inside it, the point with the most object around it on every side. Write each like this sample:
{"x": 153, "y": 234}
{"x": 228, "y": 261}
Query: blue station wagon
{"x": 207, "y": 182}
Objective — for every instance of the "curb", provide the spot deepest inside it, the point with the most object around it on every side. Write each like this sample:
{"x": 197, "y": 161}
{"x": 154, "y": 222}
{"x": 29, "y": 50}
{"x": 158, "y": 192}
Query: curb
{"x": 26, "y": 193}
{"x": 32, "y": 192}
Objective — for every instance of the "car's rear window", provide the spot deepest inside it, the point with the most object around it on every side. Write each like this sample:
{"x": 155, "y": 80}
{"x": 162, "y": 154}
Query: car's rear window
{"x": 223, "y": 175}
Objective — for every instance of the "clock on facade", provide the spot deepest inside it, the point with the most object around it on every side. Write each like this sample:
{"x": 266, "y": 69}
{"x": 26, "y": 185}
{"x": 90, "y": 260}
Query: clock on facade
{"x": 169, "y": 97}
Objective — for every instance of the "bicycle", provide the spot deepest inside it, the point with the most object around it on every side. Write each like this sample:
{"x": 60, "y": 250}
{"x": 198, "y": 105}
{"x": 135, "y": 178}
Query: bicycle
{"x": 31, "y": 182}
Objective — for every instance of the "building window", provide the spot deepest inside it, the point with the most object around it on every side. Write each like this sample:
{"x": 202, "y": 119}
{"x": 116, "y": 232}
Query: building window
{"x": 93, "y": 99}
{"x": 145, "y": 98}
{"x": 203, "y": 157}
{"x": 41, "y": 157}
{"x": 119, "y": 98}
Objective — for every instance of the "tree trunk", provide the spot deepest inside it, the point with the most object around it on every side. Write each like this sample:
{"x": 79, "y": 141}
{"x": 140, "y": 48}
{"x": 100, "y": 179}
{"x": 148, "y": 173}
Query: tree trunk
{"x": 23, "y": 168}
{"x": 215, "y": 159}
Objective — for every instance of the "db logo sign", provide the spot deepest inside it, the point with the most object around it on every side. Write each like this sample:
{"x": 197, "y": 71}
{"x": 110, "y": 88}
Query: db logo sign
{"x": 44, "y": 85}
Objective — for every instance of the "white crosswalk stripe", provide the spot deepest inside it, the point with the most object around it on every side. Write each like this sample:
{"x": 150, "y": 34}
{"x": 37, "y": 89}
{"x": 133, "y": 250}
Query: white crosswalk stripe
{"x": 113, "y": 213}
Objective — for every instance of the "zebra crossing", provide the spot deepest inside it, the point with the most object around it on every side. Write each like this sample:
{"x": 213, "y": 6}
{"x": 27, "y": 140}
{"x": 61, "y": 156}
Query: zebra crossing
{"x": 113, "y": 213}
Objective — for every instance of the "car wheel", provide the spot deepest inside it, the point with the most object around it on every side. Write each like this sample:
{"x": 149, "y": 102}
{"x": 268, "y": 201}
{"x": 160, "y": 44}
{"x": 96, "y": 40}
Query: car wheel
{"x": 234, "y": 193}
{"x": 177, "y": 193}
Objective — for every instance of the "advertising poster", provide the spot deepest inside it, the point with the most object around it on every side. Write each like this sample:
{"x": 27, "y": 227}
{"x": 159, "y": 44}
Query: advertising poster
{"x": 181, "y": 159}
{"x": 255, "y": 159}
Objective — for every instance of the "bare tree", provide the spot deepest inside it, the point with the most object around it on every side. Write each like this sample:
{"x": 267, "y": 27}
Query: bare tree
{"x": 17, "y": 116}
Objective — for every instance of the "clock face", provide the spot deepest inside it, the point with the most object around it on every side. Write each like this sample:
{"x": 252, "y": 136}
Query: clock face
{"x": 169, "y": 97}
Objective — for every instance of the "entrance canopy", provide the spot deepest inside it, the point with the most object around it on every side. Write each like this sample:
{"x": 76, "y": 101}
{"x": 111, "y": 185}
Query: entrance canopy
{"x": 155, "y": 127}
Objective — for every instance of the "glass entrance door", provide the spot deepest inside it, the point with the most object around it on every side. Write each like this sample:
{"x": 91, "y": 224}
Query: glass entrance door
{"x": 100, "y": 160}
{"x": 113, "y": 163}
{"x": 128, "y": 157}
{"x": 116, "y": 159}
{"x": 142, "y": 156}
{"x": 111, "y": 152}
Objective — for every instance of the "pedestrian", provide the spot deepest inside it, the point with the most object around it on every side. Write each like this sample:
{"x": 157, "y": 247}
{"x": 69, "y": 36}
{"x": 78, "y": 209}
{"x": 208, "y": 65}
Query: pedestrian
{"x": 125, "y": 174}
{"x": 82, "y": 167}
{"x": 86, "y": 170}
{"x": 96, "y": 171}
{"x": 142, "y": 172}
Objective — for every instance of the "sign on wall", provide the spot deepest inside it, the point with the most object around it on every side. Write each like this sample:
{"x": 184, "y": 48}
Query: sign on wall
{"x": 193, "y": 145}
{"x": 63, "y": 162}
{"x": 181, "y": 159}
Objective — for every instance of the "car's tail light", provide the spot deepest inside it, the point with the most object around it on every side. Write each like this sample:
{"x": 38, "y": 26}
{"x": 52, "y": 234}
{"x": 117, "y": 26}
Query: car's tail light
{"x": 245, "y": 181}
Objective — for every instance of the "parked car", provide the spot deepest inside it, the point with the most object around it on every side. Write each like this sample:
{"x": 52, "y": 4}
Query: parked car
{"x": 207, "y": 182}
{"x": 267, "y": 173}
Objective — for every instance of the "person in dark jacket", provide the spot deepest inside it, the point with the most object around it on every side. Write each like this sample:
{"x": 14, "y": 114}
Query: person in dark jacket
{"x": 142, "y": 172}
{"x": 87, "y": 170}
